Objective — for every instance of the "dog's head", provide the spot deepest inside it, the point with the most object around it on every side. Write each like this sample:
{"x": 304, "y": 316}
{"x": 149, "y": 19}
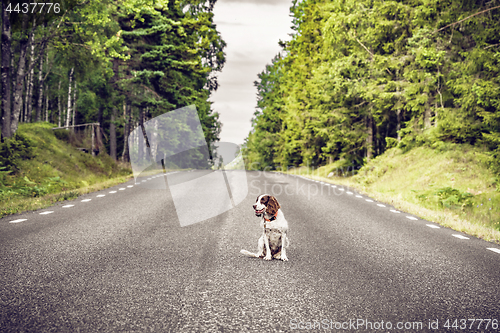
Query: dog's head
{"x": 266, "y": 204}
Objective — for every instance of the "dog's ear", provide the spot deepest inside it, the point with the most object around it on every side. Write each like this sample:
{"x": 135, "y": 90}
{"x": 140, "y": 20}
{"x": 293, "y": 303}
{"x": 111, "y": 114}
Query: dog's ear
{"x": 272, "y": 206}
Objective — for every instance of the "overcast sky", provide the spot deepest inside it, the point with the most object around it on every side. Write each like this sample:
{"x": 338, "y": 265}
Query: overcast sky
{"x": 251, "y": 29}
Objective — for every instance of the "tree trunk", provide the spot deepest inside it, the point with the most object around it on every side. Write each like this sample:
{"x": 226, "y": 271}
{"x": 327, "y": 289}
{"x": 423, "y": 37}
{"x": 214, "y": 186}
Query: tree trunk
{"x": 112, "y": 125}
{"x": 74, "y": 107}
{"x": 6, "y": 78}
{"x": 99, "y": 120}
{"x": 39, "y": 105}
{"x": 440, "y": 99}
{"x": 68, "y": 114}
{"x": 112, "y": 135}
{"x": 398, "y": 111}
{"x": 47, "y": 95}
{"x": 47, "y": 105}
{"x": 139, "y": 140}
{"x": 18, "y": 88}
{"x": 59, "y": 103}
{"x": 427, "y": 114}
{"x": 24, "y": 112}
{"x": 398, "y": 125}
{"x": 369, "y": 139}
{"x": 29, "y": 91}
{"x": 126, "y": 132}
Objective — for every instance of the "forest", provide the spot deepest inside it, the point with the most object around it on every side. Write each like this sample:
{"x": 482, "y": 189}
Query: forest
{"x": 360, "y": 77}
{"x": 116, "y": 63}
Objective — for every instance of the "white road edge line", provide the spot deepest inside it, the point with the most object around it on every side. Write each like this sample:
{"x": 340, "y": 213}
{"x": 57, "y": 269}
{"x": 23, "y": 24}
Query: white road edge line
{"x": 493, "y": 249}
{"x": 395, "y": 211}
{"x": 112, "y": 192}
{"x": 122, "y": 189}
{"x": 47, "y": 212}
{"x": 130, "y": 186}
{"x": 412, "y": 218}
{"x": 86, "y": 200}
{"x": 100, "y": 195}
{"x": 67, "y": 206}
{"x": 433, "y": 226}
{"x": 460, "y": 236}
{"x": 380, "y": 205}
{"x": 18, "y": 220}
{"x": 369, "y": 200}
{"x": 359, "y": 196}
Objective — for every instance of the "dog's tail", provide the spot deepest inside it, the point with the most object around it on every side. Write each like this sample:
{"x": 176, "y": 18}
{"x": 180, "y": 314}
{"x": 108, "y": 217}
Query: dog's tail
{"x": 249, "y": 254}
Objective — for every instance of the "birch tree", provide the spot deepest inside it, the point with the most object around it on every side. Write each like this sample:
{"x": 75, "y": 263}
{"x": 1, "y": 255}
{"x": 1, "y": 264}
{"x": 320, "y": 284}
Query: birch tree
{"x": 68, "y": 113}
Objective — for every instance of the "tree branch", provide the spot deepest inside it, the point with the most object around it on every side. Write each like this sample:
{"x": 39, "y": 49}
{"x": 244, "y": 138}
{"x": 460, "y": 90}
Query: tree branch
{"x": 357, "y": 40}
{"x": 468, "y": 17}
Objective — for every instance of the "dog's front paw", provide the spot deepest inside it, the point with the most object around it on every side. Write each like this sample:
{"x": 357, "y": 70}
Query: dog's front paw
{"x": 284, "y": 257}
{"x": 267, "y": 257}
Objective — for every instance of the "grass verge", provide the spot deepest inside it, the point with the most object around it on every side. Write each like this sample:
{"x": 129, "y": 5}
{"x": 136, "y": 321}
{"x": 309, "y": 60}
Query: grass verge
{"x": 450, "y": 185}
{"x": 22, "y": 204}
{"x": 39, "y": 167}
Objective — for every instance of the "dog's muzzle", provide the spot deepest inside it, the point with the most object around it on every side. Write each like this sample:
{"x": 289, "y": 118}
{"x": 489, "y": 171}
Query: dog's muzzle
{"x": 259, "y": 212}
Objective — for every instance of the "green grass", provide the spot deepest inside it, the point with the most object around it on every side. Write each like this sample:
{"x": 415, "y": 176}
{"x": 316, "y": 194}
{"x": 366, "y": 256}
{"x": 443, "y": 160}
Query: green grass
{"x": 51, "y": 170}
{"x": 448, "y": 184}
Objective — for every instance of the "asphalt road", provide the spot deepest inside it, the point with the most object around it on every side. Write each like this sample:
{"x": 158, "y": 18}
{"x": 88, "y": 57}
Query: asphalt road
{"x": 122, "y": 262}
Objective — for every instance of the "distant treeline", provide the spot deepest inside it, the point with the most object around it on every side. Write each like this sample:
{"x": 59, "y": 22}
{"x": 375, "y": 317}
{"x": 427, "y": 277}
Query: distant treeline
{"x": 118, "y": 63}
{"x": 362, "y": 76}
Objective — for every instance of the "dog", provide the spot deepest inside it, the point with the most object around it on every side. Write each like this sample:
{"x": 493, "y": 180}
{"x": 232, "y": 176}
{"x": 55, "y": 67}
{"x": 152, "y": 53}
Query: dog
{"x": 274, "y": 239}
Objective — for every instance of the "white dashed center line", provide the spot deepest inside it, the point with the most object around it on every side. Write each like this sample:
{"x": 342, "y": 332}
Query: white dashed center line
{"x": 494, "y": 249}
{"x": 67, "y": 206}
{"x": 130, "y": 186}
{"x": 395, "y": 211}
{"x": 122, "y": 189}
{"x": 86, "y": 200}
{"x": 19, "y": 220}
{"x": 112, "y": 192}
{"x": 432, "y": 226}
{"x": 358, "y": 196}
{"x": 47, "y": 212}
{"x": 101, "y": 195}
{"x": 334, "y": 186}
{"x": 348, "y": 192}
{"x": 460, "y": 236}
{"x": 380, "y": 205}
{"x": 341, "y": 188}
{"x": 412, "y": 218}
{"x": 369, "y": 200}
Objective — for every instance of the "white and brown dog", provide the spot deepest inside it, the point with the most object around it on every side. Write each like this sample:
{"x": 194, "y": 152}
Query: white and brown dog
{"x": 274, "y": 240}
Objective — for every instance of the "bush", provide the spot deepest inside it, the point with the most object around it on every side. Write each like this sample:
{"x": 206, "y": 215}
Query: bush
{"x": 15, "y": 149}
{"x": 448, "y": 197}
{"x": 62, "y": 134}
{"x": 391, "y": 142}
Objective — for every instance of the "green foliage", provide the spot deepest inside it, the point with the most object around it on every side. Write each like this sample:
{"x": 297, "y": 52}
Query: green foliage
{"x": 61, "y": 168}
{"x": 448, "y": 197}
{"x": 15, "y": 149}
{"x": 62, "y": 134}
{"x": 360, "y": 77}
{"x": 151, "y": 56}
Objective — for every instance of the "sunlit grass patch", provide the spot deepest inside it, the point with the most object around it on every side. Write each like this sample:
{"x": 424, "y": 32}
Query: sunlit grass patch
{"x": 451, "y": 185}
{"x": 50, "y": 170}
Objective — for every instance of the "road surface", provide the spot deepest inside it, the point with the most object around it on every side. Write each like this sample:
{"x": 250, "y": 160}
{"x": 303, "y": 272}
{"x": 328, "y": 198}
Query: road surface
{"x": 121, "y": 262}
